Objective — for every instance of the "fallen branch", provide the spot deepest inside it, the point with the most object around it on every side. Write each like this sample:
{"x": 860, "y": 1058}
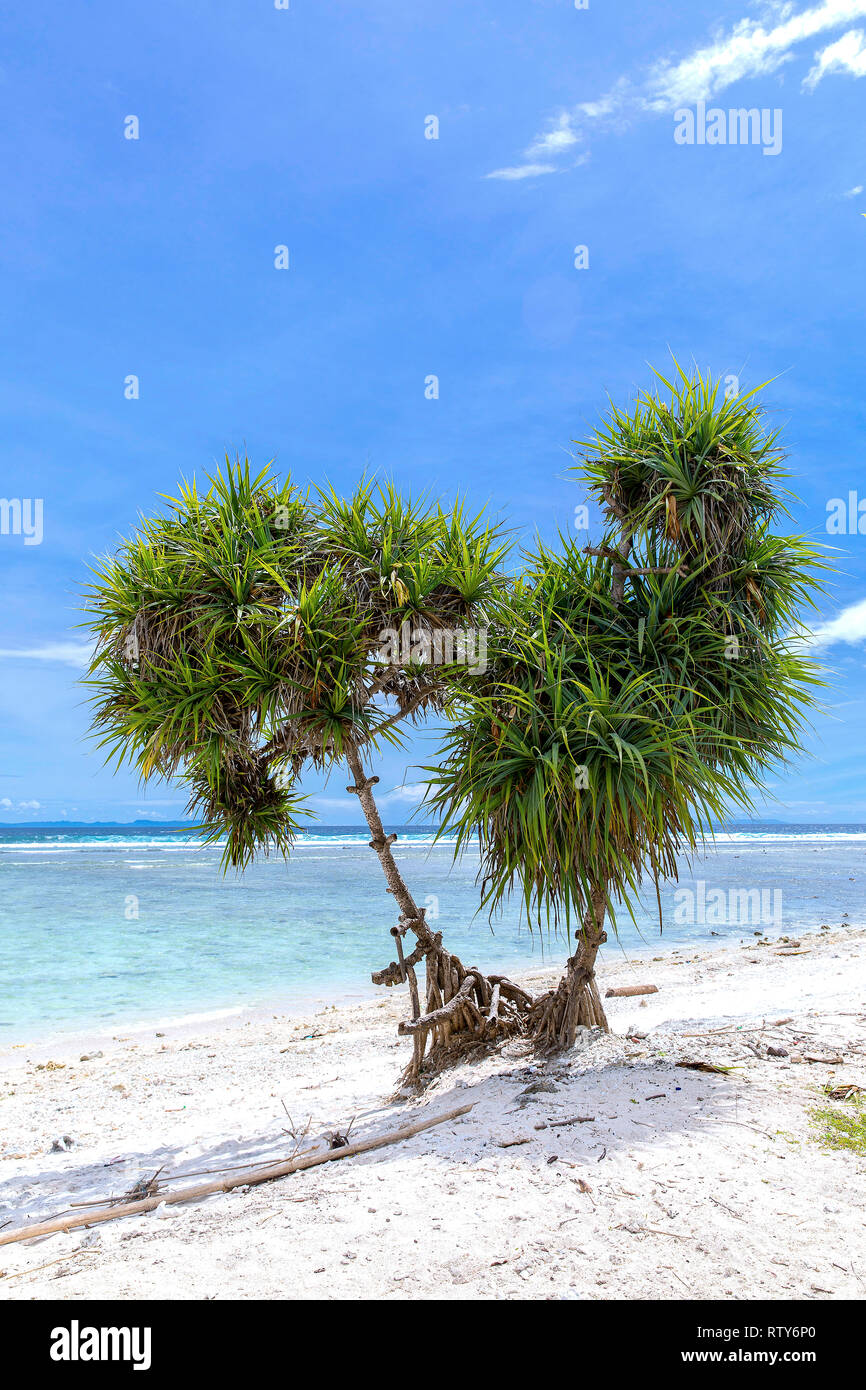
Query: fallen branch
{"x": 735, "y": 1028}
{"x": 189, "y": 1194}
{"x": 70, "y": 1255}
{"x": 626, "y": 991}
{"x": 706, "y": 1066}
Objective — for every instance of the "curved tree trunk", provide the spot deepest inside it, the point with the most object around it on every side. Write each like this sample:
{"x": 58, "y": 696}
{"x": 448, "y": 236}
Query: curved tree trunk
{"x": 463, "y": 1008}
{"x": 556, "y": 1016}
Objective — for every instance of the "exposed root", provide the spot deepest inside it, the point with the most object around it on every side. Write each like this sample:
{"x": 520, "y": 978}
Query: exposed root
{"x": 466, "y": 1012}
{"x": 556, "y": 1016}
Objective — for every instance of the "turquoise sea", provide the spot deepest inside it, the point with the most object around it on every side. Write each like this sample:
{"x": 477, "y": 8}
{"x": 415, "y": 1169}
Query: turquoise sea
{"x": 106, "y": 927}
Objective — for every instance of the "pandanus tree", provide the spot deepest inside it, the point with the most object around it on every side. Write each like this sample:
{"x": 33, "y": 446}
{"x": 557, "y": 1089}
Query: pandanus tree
{"x": 639, "y": 688}
{"x": 252, "y": 631}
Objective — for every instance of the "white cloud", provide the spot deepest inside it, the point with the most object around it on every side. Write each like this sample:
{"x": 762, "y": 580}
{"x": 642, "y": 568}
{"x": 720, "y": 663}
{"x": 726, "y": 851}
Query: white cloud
{"x": 334, "y": 803}
{"x": 7, "y": 805}
{"x": 752, "y": 48}
{"x": 853, "y": 192}
{"x": 67, "y": 653}
{"x": 847, "y": 54}
{"x": 409, "y": 791}
{"x": 848, "y": 626}
{"x": 522, "y": 171}
{"x": 606, "y": 105}
{"x": 560, "y": 137}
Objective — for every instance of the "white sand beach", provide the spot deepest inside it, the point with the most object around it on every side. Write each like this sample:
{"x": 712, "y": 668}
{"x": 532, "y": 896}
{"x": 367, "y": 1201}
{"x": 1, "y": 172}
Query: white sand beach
{"x": 673, "y": 1183}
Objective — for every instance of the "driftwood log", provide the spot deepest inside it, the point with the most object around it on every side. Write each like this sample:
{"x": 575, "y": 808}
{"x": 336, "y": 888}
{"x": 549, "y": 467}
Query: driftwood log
{"x": 628, "y": 991}
{"x": 208, "y": 1189}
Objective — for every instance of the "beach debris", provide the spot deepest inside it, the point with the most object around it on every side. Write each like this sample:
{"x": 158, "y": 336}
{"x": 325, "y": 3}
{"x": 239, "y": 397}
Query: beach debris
{"x": 628, "y": 991}
{"x": 91, "y": 1056}
{"x": 851, "y": 1092}
{"x": 50, "y": 1066}
{"x": 531, "y": 1093}
{"x": 297, "y": 1135}
{"x": 777, "y": 1052}
{"x": 145, "y": 1187}
{"x": 62, "y": 1144}
{"x": 336, "y": 1139}
{"x": 634, "y": 1228}
{"x": 715, "y": 1200}
{"x": 824, "y": 1061}
{"x": 113, "y": 1210}
{"x": 306, "y": 1037}
{"x": 706, "y": 1066}
{"x": 70, "y": 1255}
{"x": 634, "y": 1035}
{"x": 737, "y": 1028}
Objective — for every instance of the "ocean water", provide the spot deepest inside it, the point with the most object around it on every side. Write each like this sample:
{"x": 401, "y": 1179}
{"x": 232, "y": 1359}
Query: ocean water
{"x": 103, "y": 928}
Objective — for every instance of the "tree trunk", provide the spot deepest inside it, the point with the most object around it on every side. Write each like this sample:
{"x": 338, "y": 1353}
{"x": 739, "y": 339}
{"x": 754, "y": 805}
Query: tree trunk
{"x": 555, "y": 1017}
{"x": 463, "y": 1007}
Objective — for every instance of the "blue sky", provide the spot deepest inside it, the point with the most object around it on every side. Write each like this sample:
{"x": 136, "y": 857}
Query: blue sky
{"x": 409, "y": 257}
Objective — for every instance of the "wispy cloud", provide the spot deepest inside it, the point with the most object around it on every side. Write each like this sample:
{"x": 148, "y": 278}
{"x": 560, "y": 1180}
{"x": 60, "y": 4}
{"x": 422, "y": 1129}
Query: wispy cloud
{"x": 847, "y": 54}
{"x": 559, "y": 137}
{"x": 522, "y": 171}
{"x": 752, "y": 48}
{"x": 408, "y": 792}
{"x": 849, "y": 626}
{"x": 66, "y": 653}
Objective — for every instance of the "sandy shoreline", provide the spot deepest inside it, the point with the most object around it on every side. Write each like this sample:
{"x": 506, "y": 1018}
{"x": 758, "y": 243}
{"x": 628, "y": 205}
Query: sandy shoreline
{"x": 683, "y": 1184}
